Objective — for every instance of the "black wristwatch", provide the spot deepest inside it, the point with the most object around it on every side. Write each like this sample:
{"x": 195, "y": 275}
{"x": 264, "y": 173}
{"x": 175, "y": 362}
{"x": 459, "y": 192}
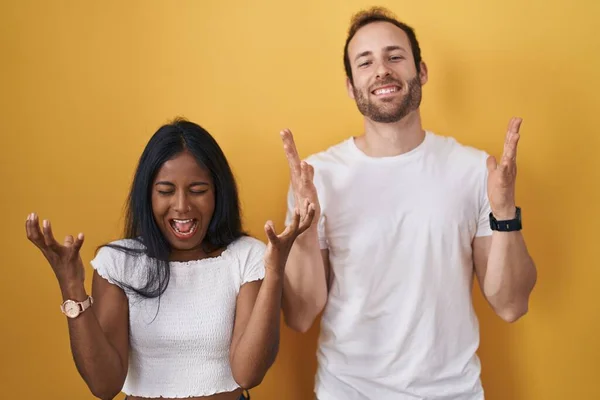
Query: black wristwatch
{"x": 509, "y": 225}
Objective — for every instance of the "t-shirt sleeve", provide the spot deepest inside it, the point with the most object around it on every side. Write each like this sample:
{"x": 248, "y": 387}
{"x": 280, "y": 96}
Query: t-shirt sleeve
{"x": 110, "y": 264}
{"x": 252, "y": 266}
{"x": 483, "y": 225}
{"x": 291, "y": 203}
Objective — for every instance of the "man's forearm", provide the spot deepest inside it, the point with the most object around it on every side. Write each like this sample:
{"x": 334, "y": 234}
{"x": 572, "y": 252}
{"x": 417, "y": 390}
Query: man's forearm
{"x": 305, "y": 284}
{"x": 510, "y": 275}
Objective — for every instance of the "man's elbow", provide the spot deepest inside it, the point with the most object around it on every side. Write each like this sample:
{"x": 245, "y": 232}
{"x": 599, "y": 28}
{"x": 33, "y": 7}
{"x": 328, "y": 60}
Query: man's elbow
{"x": 302, "y": 320}
{"x": 301, "y": 325}
{"x": 513, "y": 313}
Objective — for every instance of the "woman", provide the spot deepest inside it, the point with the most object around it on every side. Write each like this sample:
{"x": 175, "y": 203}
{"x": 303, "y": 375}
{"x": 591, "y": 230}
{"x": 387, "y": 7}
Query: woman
{"x": 186, "y": 305}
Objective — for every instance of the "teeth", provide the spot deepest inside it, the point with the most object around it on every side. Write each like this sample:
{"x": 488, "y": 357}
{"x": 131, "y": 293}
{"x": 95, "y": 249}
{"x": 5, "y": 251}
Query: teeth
{"x": 190, "y": 232}
{"x": 386, "y": 90}
{"x": 174, "y": 223}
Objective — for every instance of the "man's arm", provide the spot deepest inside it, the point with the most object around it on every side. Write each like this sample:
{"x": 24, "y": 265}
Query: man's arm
{"x": 305, "y": 286}
{"x": 307, "y": 268}
{"x": 506, "y": 273}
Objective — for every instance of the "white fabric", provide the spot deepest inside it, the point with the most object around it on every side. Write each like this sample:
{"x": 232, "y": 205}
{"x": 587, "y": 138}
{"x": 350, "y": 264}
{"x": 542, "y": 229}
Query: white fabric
{"x": 183, "y": 350}
{"x": 399, "y": 321}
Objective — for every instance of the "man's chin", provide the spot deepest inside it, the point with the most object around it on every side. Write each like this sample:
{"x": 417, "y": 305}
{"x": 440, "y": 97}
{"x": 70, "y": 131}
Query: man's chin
{"x": 386, "y": 116}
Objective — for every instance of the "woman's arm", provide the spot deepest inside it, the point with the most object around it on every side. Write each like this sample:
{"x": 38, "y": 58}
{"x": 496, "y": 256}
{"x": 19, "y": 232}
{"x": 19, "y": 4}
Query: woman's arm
{"x": 99, "y": 335}
{"x": 255, "y": 340}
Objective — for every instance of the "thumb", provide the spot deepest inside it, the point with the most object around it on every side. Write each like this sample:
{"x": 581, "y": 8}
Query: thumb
{"x": 491, "y": 163}
{"x": 270, "y": 231}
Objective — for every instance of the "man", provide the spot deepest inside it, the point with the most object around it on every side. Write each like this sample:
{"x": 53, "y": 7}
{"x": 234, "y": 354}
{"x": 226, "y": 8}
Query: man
{"x": 406, "y": 219}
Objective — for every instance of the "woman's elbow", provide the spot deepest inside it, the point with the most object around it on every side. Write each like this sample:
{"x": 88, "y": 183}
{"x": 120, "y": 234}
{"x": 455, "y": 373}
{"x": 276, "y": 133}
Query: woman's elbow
{"x": 249, "y": 381}
{"x": 250, "y": 376}
{"x": 106, "y": 388}
{"x": 105, "y": 393}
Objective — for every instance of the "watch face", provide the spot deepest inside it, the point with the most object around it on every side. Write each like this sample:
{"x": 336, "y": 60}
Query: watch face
{"x": 71, "y": 309}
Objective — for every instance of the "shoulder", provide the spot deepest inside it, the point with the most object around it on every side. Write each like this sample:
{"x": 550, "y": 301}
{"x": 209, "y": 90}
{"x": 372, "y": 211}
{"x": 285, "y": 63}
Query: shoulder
{"x": 245, "y": 246}
{"x": 114, "y": 258}
{"x": 458, "y": 152}
{"x": 335, "y": 154}
{"x": 120, "y": 249}
{"x": 135, "y": 245}
{"x": 249, "y": 252}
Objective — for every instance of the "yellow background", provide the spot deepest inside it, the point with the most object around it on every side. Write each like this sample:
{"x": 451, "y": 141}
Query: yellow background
{"x": 84, "y": 84}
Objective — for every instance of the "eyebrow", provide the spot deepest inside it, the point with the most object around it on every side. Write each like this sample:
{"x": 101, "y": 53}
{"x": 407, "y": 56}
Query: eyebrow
{"x": 199, "y": 183}
{"x": 386, "y": 48}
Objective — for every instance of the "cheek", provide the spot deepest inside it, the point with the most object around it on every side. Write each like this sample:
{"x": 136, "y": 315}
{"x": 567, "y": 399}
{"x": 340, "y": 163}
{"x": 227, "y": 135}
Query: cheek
{"x": 361, "y": 84}
{"x": 206, "y": 205}
{"x": 159, "y": 207}
{"x": 407, "y": 72}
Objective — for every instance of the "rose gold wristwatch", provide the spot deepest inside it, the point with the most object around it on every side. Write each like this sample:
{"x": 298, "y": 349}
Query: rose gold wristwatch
{"x": 72, "y": 308}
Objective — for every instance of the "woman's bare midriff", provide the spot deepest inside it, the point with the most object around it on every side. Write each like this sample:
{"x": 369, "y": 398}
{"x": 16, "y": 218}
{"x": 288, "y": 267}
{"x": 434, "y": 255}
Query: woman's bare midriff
{"x": 235, "y": 395}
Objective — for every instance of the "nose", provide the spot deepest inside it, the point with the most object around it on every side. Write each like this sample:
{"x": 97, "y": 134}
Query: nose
{"x": 383, "y": 70}
{"x": 182, "y": 204}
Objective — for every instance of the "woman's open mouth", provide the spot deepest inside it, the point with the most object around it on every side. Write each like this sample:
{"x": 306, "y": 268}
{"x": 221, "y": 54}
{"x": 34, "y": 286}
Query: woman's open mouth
{"x": 184, "y": 228}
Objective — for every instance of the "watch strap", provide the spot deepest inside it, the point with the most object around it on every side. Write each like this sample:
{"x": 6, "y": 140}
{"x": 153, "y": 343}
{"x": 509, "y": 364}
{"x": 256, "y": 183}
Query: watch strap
{"x": 509, "y": 225}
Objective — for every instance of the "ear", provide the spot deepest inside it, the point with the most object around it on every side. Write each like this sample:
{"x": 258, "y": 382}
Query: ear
{"x": 350, "y": 88}
{"x": 424, "y": 74}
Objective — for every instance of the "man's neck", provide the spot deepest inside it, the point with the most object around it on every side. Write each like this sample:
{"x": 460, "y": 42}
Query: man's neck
{"x": 387, "y": 140}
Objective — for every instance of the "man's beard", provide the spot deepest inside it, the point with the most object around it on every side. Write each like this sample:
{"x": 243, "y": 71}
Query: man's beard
{"x": 389, "y": 112}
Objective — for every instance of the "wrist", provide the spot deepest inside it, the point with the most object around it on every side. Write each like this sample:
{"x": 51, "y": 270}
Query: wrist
{"x": 73, "y": 291}
{"x": 309, "y": 236}
{"x": 505, "y": 222}
{"x": 273, "y": 278}
{"x": 273, "y": 274}
{"x": 505, "y": 214}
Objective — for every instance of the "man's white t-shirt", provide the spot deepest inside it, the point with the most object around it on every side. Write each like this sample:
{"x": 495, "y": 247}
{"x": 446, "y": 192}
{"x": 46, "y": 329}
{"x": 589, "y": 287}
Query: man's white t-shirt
{"x": 399, "y": 322}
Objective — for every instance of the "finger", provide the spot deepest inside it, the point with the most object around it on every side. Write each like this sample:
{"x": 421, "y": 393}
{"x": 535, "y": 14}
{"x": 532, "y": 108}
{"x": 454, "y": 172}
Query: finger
{"x": 78, "y": 243}
{"x": 311, "y": 172}
{"x": 291, "y": 153}
{"x": 307, "y": 220}
{"x": 509, "y": 154}
{"x": 48, "y": 235}
{"x": 305, "y": 207}
{"x": 29, "y": 226}
{"x": 293, "y": 227}
{"x": 306, "y": 174}
{"x": 516, "y": 135}
{"x": 68, "y": 241}
{"x": 34, "y": 234}
{"x": 514, "y": 126}
{"x": 270, "y": 231}
{"x": 510, "y": 150}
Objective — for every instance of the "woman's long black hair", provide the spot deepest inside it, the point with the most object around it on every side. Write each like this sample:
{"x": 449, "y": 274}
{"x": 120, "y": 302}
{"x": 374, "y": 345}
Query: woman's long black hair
{"x": 224, "y": 227}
